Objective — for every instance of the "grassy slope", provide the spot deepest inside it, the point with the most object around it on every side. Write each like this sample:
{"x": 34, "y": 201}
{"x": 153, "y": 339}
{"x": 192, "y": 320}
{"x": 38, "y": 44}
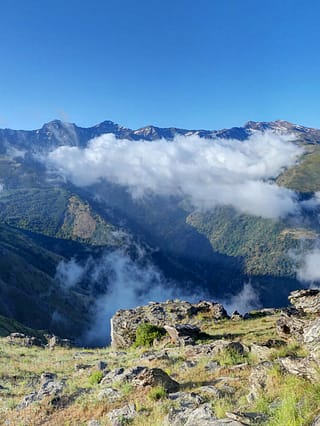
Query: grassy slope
{"x": 283, "y": 400}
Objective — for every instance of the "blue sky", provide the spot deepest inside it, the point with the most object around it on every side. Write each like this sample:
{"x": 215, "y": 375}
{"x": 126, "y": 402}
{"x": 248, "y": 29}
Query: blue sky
{"x": 184, "y": 63}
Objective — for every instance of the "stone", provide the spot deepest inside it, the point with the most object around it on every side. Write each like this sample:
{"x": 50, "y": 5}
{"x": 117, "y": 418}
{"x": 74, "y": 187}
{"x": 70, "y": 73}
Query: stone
{"x": 186, "y": 400}
{"x": 291, "y": 325}
{"x": 316, "y": 421}
{"x": 142, "y": 376}
{"x": 236, "y": 316}
{"x": 261, "y": 352}
{"x": 311, "y": 337}
{"x": 183, "y": 334}
{"x": 101, "y": 365}
{"x": 54, "y": 341}
{"x": 156, "y": 377}
{"x": 93, "y": 423}
{"x": 109, "y": 394}
{"x": 307, "y": 300}
{"x": 258, "y": 380}
{"x": 248, "y": 418}
{"x": 117, "y": 417}
{"x": 303, "y": 367}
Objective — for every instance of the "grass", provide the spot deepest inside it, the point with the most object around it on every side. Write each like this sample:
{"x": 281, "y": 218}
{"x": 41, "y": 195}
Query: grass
{"x": 287, "y": 399}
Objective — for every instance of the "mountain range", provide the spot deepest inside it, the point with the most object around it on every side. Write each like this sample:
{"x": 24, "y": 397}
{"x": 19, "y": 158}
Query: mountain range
{"x": 69, "y": 250}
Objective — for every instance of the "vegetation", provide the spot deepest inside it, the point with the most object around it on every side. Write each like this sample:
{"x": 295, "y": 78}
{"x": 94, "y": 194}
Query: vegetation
{"x": 146, "y": 334}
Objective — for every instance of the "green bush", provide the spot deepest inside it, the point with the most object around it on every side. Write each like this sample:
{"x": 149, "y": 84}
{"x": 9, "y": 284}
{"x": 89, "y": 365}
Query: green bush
{"x": 95, "y": 377}
{"x": 146, "y": 333}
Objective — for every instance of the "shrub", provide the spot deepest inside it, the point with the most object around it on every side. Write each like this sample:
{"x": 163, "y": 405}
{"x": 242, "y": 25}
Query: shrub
{"x": 95, "y": 378}
{"x": 146, "y": 333}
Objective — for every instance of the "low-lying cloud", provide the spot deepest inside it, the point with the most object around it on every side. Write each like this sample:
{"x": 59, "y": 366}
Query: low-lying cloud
{"x": 309, "y": 270}
{"x": 207, "y": 172}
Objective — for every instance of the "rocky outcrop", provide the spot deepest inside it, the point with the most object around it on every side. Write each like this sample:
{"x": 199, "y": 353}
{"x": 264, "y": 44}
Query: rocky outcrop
{"x": 21, "y": 339}
{"x": 120, "y": 415}
{"x": 183, "y": 334}
{"x": 307, "y": 300}
{"x": 125, "y": 322}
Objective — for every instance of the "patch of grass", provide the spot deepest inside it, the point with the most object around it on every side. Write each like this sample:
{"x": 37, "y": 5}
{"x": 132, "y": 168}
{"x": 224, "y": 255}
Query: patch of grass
{"x": 157, "y": 393}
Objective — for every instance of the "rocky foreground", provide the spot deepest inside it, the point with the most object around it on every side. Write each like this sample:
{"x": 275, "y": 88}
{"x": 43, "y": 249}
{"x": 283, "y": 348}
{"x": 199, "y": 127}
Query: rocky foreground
{"x": 172, "y": 363}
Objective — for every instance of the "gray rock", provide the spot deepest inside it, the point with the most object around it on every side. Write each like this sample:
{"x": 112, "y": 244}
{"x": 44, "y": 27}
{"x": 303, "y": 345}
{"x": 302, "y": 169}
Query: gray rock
{"x": 93, "y": 423}
{"x": 142, "y": 376}
{"x": 303, "y": 367}
{"x": 308, "y": 300}
{"x": 258, "y": 380}
{"x": 186, "y": 400}
{"x": 156, "y": 377}
{"x": 248, "y": 418}
{"x": 261, "y": 352}
{"x": 291, "y": 325}
{"x": 54, "y": 341}
{"x": 109, "y": 394}
{"x": 101, "y": 365}
{"x": 119, "y": 416}
{"x": 316, "y": 421}
{"x": 311, "y": 337}
{"x": 183, "y": 334}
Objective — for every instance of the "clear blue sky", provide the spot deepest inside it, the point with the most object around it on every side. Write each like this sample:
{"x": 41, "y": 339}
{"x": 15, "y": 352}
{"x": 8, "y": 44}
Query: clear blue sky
{"x": 185, "y": 63}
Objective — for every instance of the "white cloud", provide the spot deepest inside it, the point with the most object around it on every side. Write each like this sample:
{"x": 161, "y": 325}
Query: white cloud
{"x": 245, "y": 301}
{"x": 207, "y": 172}
{"x": 309, "y": 270}
{"x": 1, "y": 187}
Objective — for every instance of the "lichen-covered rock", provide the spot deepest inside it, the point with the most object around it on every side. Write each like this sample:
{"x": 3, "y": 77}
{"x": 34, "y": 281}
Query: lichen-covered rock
{"x": 311, "y": 337}
{"x": 258, "y": 380}
{"x": 125, "y": 322}
{"x": 303, "y": 367}
{"x": 119, "y": 416}
{"x": 291, "y": 325}
{"x": 307, "y": 300}
{"x": 183, "y": 334}
{"x": 142, "y": 376}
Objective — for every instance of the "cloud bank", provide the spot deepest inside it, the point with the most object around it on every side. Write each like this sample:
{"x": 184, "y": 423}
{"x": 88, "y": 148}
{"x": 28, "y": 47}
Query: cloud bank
{"x": 206, "y": 172}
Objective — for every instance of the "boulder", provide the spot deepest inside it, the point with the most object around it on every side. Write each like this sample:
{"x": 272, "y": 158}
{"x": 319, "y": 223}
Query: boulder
{"x": 291, "y": 325}
{"x": 311, "y": 337}
{"x": 54, "y": 341}
{"x": 142, "y": 376}
{"x": 258, "y": 380}
{"x": 307, "y": 300}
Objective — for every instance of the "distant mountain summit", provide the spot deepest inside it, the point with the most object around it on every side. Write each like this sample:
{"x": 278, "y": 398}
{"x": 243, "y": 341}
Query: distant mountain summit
{"x": 57, "y": 133}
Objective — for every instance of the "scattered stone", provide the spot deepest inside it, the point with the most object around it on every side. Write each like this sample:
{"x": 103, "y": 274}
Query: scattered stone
{"x": 212, "y": 391}
{"x": 79, "y": 367}
{"x": 186, "y": 400}
{"x": 49, "y": 386}
{"x": 117, "y": 417}
{"x": 311, "y": 337}
{"x": 211, "y": 366}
